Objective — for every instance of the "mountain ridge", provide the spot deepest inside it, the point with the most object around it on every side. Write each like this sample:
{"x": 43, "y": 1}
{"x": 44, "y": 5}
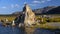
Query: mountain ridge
{"x": 45, "y": 10}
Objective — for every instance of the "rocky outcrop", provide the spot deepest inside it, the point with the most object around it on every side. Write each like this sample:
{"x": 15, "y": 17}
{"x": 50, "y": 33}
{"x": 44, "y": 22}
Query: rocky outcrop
{"x": 29, "y": 15}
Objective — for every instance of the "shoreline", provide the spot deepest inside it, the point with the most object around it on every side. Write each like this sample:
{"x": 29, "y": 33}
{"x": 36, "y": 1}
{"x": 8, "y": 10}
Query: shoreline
{"x": 48, "y": 26}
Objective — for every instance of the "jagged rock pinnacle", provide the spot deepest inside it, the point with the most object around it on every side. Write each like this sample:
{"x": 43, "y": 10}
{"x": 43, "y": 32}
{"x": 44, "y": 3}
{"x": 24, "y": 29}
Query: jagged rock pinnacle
{"x": 27, "y": 18}
{"x": 29, "y": 15}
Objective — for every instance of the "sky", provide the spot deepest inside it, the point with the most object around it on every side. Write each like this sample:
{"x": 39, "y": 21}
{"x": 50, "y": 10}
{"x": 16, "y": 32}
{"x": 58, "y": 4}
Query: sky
{"x": 10, "y": 6}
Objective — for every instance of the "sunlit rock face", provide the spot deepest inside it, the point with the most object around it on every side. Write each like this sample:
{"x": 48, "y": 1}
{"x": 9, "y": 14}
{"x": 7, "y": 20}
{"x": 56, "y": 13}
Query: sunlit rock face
{"x": 29, "y": 15}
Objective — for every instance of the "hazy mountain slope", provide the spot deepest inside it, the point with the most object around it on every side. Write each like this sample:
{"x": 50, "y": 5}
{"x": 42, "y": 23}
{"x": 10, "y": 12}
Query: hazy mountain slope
{"x": 54, "y": 11}
{"x": 45, "y": 10}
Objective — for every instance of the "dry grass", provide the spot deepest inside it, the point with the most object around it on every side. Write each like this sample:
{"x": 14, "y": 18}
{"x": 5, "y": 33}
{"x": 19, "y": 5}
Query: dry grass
{"x": 10, "y": 18}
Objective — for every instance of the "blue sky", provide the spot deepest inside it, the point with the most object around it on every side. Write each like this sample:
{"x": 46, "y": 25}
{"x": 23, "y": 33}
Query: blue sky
{"x": 10, "y": 6}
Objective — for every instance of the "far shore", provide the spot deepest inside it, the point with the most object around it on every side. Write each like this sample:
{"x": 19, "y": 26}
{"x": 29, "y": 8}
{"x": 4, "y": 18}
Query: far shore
{"x": 48, "y": 25}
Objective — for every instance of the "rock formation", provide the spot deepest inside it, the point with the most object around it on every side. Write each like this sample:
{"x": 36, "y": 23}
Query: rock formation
{"x": 29, "y": 15}
{"x": 13, "y": 23}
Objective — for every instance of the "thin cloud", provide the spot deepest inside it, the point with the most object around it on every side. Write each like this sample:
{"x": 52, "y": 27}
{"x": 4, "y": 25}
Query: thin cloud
{"x": 12, "y": 5}
{"x": 4, "y": 7}
{"x": 15, "y": 5}
{"x": 25, "y": 2}
{"x": 40, "y": 1}
{"x": 43, "y": 1}
{"x": 36, "y": 1}
{"x": 48, "y": 0}
{"x": 32, "y": 4}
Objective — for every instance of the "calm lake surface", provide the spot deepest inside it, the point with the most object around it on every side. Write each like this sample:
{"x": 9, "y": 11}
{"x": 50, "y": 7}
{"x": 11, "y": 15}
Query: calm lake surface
{"x": 16, "y": 30}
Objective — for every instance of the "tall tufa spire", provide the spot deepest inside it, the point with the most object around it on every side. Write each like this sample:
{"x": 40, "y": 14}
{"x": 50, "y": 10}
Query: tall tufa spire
{"x": 29, "y": 15}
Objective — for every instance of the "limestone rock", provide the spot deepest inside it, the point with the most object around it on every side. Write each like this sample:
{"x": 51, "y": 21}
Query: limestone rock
{"x": 29, "y": 15}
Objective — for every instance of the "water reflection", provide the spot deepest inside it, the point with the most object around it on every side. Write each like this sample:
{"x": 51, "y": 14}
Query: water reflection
{"x": 29, "y": 30}
{"x": 46, "y": 31}
{"x": 17, "y": 30}
{"x": 10, "y": 30}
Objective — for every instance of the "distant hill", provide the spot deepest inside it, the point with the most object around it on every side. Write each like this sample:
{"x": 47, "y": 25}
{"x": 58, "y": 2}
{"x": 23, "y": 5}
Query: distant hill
{"x": 54, "y": 11}
{"x": 45, "y": 10}
{"x": 17, "y": 12}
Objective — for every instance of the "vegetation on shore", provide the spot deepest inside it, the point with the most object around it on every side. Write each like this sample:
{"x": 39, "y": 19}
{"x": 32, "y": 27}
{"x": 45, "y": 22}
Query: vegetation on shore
{"x": 48, "y": 23}
{"x": 48, "y": 19}
{"x": 39, "y": 24}
{"x": 10, "y": 18}
{"x": 44, "y": 26}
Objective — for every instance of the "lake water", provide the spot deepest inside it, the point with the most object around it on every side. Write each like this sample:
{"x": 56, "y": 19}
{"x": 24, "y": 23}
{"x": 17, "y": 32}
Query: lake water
{"x": 16, "y": 30}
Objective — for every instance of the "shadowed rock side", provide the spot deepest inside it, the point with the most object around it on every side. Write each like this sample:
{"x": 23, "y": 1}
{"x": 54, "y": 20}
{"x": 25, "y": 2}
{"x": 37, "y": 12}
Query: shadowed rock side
{"x": 19, "y": 19}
